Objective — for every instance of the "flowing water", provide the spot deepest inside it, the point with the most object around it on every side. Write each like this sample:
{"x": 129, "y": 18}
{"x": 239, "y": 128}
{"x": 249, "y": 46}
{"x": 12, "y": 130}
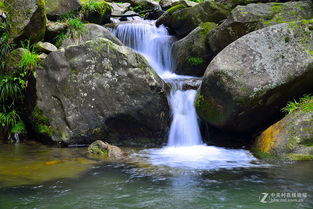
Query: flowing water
{"x": 184, "y": 174}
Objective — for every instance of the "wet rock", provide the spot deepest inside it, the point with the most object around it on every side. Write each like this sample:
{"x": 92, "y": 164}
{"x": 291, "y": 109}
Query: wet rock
{"x": 290, "y": 138}
{"x": 245, "y": 19}
{"x": 91, "y": 32}
{"x": 192, "y": 54}
{"x": 103, "y": 148}
{"x": 99, "y": 89}
{"x": 254, "y": 77}
{"x": 27, "y": 20}
{"x": 193, "y": 83}
{"x": 46, "y": 47}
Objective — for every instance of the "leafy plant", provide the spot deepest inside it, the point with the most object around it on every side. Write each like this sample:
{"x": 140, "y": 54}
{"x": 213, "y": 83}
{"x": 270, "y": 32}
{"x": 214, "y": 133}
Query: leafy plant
{"x": 60, "y": 38}
{"x": 6, "y": 47}
{"x": 75, "y": 27}
{"x": 18, "y": 128}
{"x": 305, "y": 102}
{"x": 10, "y": 89}
{"x": 9, "y": 119}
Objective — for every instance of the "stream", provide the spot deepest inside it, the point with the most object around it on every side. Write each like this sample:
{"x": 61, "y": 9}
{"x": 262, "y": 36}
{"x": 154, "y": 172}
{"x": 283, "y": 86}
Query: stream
{"x": 186, "y": 173}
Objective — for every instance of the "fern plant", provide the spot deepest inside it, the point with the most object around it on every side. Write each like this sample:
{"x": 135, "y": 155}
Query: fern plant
{"x": 305, "y": 102}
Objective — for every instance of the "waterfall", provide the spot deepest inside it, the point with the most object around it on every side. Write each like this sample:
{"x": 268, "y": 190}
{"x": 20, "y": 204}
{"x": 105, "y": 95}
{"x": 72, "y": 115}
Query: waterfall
{"x": 185, "y": 148}
{"x": 155, "y": 44}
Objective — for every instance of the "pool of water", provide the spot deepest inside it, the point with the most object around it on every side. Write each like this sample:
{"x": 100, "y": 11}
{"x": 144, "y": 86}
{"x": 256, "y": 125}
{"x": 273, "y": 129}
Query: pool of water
{"x": 36, "y": 176}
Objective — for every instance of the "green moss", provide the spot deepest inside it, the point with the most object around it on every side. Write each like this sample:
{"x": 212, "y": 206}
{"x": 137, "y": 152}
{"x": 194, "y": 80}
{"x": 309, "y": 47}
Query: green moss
{"x": 42, "y": 122}
{"x": 175, "y": 8}
{"x": 195, "y": 61}
{"x": 100, "y": 7}
{"x": 263, "y": 155}
{"x": 300, "y": 157}
{"x": 208, "y": 110}
{"x": 207, "y": 27}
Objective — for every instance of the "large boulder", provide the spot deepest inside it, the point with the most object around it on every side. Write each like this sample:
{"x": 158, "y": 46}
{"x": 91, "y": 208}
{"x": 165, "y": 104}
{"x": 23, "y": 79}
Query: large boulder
{"x": 99, "y": 90}
{"x": 247, "y": 83}
{"x": 57, "y": 8}
{"x": 91, "y": 32}
{"x": 27, "y": 19}
{"x": 182, "y": 20}
{"x": 245, "y": 19}
{"x": 290, "y": 138}
{"x": 192, "y": 54}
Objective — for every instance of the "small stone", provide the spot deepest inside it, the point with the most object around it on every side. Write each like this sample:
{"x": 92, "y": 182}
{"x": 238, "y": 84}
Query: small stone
{"x": 46, "y": 47}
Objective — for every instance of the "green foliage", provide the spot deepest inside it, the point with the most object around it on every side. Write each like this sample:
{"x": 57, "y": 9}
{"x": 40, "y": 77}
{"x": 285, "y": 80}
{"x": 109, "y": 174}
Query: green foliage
{"x": 138, "y": 8}
{"x": 305, "y": 103}
{"x": 11, "y": 89}
{"x": 29, "y": 59}
{"x": 18, "y": 128}
{"x": 60, "y": 38}
{"x": 100, "y": 7}
{"x": 2, "y": 5}
{"x": 9, "y": 119}
{"x": 75, "y": 27}
{"x": 195, "y": 60}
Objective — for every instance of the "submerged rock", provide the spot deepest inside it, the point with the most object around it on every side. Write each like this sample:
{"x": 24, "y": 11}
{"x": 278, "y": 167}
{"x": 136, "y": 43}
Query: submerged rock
{"x": 103, "y": 148}
{"x": 27, "y": 20}
{"x": 192, "y": 54}
{"x": 91, "y": 32}
{"x": 245, "y": 19}
{"x": 246, "y": 84}
{"x": 99, "y": 89}
{"x": 290, "y": 138}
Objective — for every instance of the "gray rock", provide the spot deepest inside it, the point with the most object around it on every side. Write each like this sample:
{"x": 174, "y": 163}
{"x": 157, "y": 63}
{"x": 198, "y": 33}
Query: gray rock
{"x": 13, "y": 60}
{"x": 56, "y": 8}
{"x": 119, "y": 8}
{"x": 46, "y": 47}
{"x": 105, "y": 149}
{"x": 166, "y": 4}
{"x": 92, "y": 32}
{"x": 183, "y": 20}
{"x": 99, "y": 90}
{"x": 248, "y": 82}
{"x": 290, "y": 138}
{"x": 53, "y": 29}
{"x": 192, "y": 54}
{"x": 193, "y": 83}
{"x": 27, "y": 20}
{"x": 245, "y": 19}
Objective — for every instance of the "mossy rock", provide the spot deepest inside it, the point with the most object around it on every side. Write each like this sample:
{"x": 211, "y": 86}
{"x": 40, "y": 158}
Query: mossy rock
{"x": 183, "y": 20}
{"x": 27, "y": 20}
{"x": 191, "y": 54}
{"x": 246, "y": 19}
{"x": 256, "y": 75}
{"x": 96, "y": 11}
{"x": 57, "y": 8}
{"x": 291, "y": 138}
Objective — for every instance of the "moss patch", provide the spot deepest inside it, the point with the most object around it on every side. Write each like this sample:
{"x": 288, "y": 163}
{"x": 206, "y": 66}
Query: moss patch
{"x": 42, "y": 122}
{"x": 208, "y": 110}
{"x": 175, "y": 8}
{"x": 300, "y": 157}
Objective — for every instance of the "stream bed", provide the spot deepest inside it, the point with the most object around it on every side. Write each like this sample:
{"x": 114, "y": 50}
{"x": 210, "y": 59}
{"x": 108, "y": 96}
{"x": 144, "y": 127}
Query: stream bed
{"x": 36, "y": 176}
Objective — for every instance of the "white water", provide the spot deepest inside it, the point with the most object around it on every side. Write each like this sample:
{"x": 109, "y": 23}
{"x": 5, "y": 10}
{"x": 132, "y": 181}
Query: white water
{"x": 185, "y": 147}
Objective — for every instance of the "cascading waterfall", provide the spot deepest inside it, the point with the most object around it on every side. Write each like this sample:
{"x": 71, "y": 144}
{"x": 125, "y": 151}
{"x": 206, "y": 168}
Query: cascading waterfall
{"x": 185, "y": 147}
{"x": 155, "y": 44}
